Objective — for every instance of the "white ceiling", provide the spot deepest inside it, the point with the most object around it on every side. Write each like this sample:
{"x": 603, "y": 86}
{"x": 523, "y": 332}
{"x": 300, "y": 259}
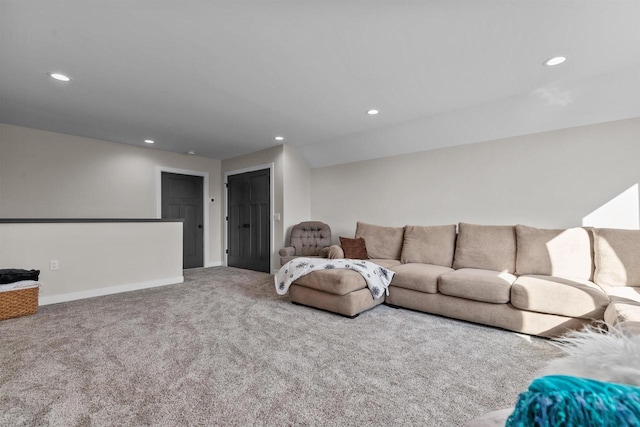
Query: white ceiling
{"x": 224, "y": 77}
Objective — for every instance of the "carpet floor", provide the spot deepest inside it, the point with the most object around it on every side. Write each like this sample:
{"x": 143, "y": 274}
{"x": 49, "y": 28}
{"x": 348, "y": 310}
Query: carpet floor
{"x": 223, "y": 349}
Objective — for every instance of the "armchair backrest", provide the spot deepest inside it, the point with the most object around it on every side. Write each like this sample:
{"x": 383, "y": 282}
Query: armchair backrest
{"x": 309, "y": 237}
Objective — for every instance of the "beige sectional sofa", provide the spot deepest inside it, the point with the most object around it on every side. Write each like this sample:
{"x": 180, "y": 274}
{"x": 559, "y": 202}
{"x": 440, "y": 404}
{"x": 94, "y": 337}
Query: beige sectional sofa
{"x": 536, "y": 281}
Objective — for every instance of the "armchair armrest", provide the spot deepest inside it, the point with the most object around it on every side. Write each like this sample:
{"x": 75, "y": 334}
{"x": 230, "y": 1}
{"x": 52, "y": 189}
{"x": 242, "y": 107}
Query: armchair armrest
{"x": 335, "y": 252}
{"x": 288, "y": 251}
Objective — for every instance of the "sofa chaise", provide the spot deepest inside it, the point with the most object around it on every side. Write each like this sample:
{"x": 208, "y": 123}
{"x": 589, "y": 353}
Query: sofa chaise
{"x": 536, "y": 281}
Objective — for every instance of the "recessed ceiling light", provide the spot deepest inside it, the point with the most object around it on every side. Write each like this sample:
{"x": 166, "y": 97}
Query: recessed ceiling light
{"x": 372, "y": 112}
{"x": 59, "y": 76}
{"x": 149, "y": 141}
{"x": 279, "y": 138}
{"x": 556, "y": 60}
{"x": 191, "y": 153}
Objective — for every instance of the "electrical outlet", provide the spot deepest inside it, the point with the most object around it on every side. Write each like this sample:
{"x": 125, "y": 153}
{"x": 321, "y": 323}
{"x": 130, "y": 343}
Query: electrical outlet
{"x": 54, "y": 264}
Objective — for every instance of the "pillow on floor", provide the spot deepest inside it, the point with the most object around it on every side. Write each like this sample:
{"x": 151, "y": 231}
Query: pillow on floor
{"x": 581, "y": 385}
{"x": 560, "y": 400}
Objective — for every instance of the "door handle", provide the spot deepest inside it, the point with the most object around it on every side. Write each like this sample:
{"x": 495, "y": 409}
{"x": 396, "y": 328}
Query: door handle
{"x": 246, "y": 226}
{"x": 199, "y": 225}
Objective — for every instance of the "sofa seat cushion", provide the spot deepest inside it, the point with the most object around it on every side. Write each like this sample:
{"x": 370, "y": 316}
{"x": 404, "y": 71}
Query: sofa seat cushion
{"x": 386, "y": 263}
{"x": 333, "y": 281}
{"x": 478, "y": 285}
{"x": 418, "y": 277}
{"x": 620, "y": 312}
{"x": 556, "y": 295}
{"x": 622, "y": 293}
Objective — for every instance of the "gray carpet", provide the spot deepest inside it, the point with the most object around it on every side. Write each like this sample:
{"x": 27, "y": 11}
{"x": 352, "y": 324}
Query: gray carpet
{"x": 224, "y": 349}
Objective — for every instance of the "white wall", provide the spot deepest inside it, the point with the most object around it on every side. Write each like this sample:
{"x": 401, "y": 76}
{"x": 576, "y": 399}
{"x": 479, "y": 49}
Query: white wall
{"x": 586, "y": 175}
{"x": 94, "y": 258}
{"x": 52, "y": 175}
{"x": 553, "y": 179}
{"x": 297, "y": 189}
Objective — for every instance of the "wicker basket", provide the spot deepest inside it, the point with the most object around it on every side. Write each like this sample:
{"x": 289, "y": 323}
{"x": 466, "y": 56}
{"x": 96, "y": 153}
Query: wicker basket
{"x": 20, "y": 302}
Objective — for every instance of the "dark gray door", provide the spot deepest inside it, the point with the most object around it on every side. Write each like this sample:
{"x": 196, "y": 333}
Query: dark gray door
{"x": 248, "y": 223}
{"x": 182, "y": 198}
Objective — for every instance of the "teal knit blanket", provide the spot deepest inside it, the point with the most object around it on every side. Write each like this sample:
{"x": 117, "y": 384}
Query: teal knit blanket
{"x": 564, "y": 401}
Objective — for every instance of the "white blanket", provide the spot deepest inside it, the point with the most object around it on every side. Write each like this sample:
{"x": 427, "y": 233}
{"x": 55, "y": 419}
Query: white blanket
{"x": 378, "y": 278}
{"x": 22, "y": 284}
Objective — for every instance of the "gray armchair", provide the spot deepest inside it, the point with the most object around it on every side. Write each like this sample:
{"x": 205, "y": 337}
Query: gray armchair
{"x": 308, "y": 239}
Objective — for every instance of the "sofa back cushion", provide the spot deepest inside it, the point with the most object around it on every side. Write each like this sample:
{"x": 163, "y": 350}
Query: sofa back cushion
{"x": 488, "y": 247}
{"x": 429, "y": 244}
{"x": 617, "y": 257}
{"x": 382, "y": 242}
{"x": 554, "y": 252}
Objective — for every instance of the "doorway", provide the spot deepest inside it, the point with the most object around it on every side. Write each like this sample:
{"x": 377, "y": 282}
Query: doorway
{"x": 249, "y": 220}
{"x": 182, "y": 198}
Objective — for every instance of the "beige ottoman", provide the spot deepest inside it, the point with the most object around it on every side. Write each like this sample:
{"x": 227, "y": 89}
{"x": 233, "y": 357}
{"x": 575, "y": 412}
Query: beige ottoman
{"x": 339, "y": 291}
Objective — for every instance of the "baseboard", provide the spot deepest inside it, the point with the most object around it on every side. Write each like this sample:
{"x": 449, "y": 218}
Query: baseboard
{"x": 72, "y": 296}
{"x": 213, "y": 264}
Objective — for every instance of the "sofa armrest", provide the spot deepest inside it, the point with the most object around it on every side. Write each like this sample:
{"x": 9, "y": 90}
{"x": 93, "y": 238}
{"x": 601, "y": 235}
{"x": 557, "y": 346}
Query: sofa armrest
{"x": 335, "y": 252}
{"x": 288, "y": 251}
{"x": 324, "y": 252}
